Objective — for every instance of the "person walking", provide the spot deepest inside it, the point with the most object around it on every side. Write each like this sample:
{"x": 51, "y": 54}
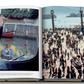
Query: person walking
{"x": 63, "y": 67}
{"x": 68, "y": 72}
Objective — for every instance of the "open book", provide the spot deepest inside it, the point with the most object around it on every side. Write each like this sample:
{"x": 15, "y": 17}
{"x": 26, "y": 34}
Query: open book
{"x": 42, "y": 43}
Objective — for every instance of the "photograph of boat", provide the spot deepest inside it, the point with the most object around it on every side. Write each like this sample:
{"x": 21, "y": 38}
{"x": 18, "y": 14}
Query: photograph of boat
{"x": 19, "y": 39}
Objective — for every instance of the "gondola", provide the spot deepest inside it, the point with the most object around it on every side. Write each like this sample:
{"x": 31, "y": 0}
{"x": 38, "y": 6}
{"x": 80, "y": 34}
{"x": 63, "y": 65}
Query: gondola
{"x": 19, "y": 63}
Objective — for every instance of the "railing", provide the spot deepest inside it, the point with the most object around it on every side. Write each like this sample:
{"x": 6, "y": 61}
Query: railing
{"x": 22, "y": 29}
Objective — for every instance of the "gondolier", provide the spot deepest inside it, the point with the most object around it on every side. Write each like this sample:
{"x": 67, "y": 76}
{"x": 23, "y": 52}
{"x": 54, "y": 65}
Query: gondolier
{"x": 1, "y": 24}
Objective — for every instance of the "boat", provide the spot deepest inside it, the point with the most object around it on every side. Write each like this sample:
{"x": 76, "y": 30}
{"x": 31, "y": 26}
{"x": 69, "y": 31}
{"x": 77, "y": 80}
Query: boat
{"x": 20, "y": 62}
{"x": 8, "y": 34}
{"x": 21, "y": 65}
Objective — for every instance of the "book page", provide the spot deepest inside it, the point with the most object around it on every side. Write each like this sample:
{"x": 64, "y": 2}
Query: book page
{"x": 19, "y": 42}
{"x": 62, "y": 43}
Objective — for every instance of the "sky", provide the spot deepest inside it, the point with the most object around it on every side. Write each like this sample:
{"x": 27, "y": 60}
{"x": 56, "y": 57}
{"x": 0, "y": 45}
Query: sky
{"x": 61, "y": 9}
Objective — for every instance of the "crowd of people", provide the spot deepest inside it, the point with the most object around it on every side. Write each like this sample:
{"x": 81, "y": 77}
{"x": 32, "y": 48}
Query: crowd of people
{"x": 62, "y": 57}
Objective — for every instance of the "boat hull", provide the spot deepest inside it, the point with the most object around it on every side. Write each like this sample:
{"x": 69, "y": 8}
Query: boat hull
{"x": 27, "y": 65}
{"x": 8, "y": 34}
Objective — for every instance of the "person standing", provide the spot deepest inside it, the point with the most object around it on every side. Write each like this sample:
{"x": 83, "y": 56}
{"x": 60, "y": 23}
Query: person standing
{"x": 55, "y": 72}
{"x": 63, "y": 67}
{"x": 59, "y": 73}
{"x": 68, "y": 55}
{"x": 50, "y": 72}
{"x": 61, "y": 60}
{"x": 1, "y": 24}
{"x": 68, "y": 72}
{"x": 65, "y": 53}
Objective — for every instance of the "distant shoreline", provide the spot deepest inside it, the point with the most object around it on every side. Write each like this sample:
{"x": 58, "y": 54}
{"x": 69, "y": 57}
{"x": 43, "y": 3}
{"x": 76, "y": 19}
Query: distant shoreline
{"x": 74, "y": 16}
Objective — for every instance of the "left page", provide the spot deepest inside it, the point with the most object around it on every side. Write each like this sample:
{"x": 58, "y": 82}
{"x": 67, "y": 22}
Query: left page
{"x": 19, "y": 42}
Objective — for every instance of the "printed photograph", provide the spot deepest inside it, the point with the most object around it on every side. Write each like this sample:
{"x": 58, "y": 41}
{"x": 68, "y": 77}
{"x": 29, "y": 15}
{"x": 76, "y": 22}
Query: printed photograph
{"x": 63, "y": 42}
{"x": 19, "y": 39}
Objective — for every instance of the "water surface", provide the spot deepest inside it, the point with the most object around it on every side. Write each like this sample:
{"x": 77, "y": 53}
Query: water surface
{"x": 19, "y": 43}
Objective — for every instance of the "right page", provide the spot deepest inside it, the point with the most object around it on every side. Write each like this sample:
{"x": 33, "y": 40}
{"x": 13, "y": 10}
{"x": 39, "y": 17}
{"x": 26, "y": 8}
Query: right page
{"x": 62, "y": 43}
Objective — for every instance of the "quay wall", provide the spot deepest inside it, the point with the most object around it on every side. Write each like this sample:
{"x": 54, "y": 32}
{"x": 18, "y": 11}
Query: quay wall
{"x": 22, "y": 30}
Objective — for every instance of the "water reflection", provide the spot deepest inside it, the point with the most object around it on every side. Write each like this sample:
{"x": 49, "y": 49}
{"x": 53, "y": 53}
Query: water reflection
{"x": 19, "y": 43}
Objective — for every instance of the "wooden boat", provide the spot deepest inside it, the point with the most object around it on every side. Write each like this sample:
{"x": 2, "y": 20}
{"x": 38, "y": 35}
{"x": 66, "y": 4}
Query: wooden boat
{"x": 20, "y": 65}
{"x": 19, "y": 62}
{"x": 8, "y": 34}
